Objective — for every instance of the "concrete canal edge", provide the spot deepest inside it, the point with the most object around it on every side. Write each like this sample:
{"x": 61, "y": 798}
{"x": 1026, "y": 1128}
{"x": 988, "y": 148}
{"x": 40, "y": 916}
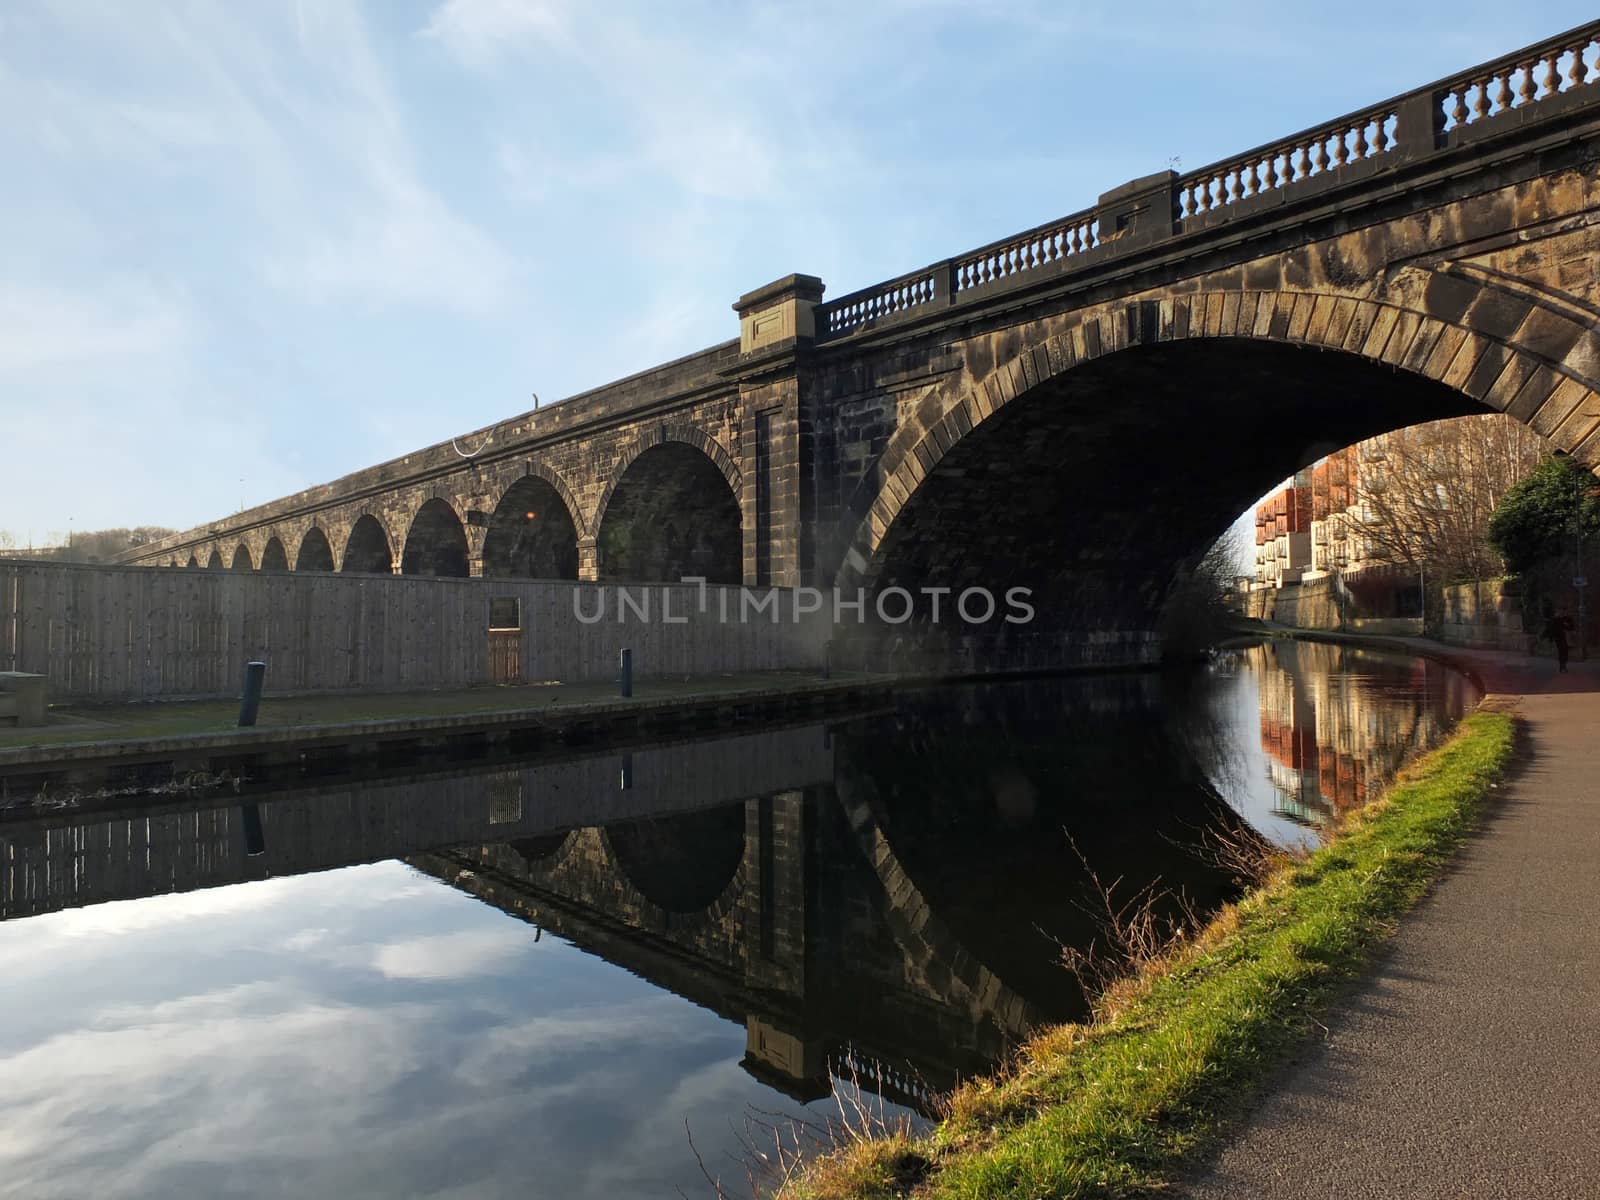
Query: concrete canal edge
{"x": 1180, "y": 1049}
{"x": 153, "y": 757}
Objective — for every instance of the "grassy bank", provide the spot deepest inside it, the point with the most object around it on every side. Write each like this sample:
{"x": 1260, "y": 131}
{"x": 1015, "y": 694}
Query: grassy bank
{"x": 1114, "y": 1107}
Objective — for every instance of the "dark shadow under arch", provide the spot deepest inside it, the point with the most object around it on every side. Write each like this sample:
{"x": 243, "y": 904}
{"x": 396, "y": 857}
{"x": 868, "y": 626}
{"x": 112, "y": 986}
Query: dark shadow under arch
{"x": 1096, "y": 487}
{"x": 367, "y": 550}
{"x": 241, "y": 560}
{"x": 315, "y": 554}
{"x": 531, "y": 534}
{"x": 273, "y": 556}
{"x": 671, "y": 513}
{"x": 682, "y": 863}
{"x": 436, "y": 544}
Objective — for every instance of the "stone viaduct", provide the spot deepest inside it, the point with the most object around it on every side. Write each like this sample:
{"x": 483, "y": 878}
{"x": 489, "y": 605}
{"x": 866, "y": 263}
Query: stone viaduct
{"x": 1079, "y": 409}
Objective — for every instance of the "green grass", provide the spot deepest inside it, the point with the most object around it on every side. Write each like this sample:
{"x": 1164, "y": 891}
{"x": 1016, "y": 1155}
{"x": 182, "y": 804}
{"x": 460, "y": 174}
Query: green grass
{"x": 1115, "y": 1107}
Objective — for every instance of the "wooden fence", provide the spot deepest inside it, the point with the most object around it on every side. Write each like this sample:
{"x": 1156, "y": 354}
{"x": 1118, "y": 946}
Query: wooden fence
{"x": 144, "y": 633}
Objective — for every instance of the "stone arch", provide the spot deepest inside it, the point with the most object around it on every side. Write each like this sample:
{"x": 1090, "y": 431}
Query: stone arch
{"x": 368, "y": 548}
{"x": 241, "y": 559}
{"x": 315, "y": 553}
{"x": 656, "y": 436}
{"x": 436, "y": 543}
{"x": 1461, "y": 341}
{"x": 532, "y": 532}
{"x": 680, "y": 489}
{"x": 274, "y": 557}
{"x": 216, "y": 561}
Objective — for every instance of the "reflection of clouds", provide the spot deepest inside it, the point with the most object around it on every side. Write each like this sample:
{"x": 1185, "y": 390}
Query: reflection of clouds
{"x": 278, "y": 1042}
{"x": 451, "y": 955}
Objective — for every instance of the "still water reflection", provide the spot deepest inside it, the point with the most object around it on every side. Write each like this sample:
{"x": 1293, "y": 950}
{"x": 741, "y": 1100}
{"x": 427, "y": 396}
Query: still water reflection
{"x": 523, "y": 980}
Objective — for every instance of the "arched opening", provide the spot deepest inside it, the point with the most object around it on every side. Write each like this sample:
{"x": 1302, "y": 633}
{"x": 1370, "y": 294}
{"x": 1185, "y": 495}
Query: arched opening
{"x": 684, "y": 862}
{"x": 241, "y": 559}
{"x": 315, "y": 553}
{"x": 531, "y": 534}
{"x": 274, "y": 557}
{"x": 368, "y": 551}
{"x": 1098, "y": 487}
{"x": 672, "y": 514}
{"x": 436, "y": 543}
{"x": 215, "y": 563}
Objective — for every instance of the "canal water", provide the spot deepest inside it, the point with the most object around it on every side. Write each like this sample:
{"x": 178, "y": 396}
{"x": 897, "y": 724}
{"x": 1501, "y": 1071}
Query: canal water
{"x": 541, "y": 978}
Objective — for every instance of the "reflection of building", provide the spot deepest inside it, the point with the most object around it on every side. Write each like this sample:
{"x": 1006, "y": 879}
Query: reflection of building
{"x": 1337, "y": 721}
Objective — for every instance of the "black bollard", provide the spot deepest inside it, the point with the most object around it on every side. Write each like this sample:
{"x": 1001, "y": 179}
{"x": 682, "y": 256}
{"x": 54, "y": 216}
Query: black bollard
{"x": 255, "y": 676}
{"x": 626, "y": 663}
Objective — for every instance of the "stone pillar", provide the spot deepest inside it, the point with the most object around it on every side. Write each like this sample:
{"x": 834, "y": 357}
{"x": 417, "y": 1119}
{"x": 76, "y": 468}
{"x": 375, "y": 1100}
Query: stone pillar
{"x": 588, "y": 560}
{"x": 777, "y": 329}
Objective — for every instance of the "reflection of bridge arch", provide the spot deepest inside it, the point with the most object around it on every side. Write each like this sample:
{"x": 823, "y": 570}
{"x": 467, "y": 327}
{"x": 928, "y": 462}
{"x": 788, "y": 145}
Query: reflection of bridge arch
{"x": 588, "y": 858}
{"x": 684, "y": 864}
{"x": 929, "y": 945}
{"x": 546, "y": 849}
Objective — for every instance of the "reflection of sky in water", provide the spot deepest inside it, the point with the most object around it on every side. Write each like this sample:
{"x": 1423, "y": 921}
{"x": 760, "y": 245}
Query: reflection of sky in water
{"x": 362, "y": 1032}
{"x": 368, "y": 1032}
{"x": 1242, "y": 775}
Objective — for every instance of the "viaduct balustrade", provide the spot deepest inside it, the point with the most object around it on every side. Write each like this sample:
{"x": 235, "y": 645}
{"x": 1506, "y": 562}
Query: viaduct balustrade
{"x": 1512, "y": 91}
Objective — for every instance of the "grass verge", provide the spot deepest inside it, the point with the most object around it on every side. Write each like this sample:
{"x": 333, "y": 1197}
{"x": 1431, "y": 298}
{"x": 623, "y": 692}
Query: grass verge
{"x": 1114, "y": 1107}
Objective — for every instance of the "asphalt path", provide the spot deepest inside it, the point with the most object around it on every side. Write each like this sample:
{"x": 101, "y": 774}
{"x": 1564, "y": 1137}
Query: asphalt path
{"x": 1467, "y": 1064}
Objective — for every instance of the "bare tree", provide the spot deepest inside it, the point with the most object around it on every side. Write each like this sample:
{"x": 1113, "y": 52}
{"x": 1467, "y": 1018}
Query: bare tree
{"x": 1423, "y": 496}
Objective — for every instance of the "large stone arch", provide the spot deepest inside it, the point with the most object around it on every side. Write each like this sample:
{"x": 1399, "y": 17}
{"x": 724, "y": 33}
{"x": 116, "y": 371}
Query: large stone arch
{"x": 712, "y": 519}
{"x": 656, "y": 436}
{"x": 241, "y": 560}
{"x": 368, "y": 547}
{"x": 1491, "y": 346}
{"x": 436, "y": 542}
{"x": 315, "y": 552}
{"x": 274, "y": 555}
{"x": 534, "y": 530}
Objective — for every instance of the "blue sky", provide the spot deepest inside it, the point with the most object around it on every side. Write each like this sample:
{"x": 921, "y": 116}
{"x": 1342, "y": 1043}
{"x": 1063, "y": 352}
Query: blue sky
{"x": 246, "y": 247}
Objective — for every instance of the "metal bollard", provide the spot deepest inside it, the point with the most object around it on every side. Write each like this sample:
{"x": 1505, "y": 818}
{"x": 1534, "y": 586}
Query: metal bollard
{"x": 626, "y": 658}
{"x": 255, "y": 676}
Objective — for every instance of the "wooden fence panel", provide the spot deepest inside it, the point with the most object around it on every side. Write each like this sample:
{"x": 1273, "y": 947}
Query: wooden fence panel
{"x": 121, "y": 633}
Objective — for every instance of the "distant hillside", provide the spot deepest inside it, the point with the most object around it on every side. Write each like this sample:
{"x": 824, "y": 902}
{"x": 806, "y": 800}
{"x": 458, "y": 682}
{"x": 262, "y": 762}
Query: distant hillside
{"x": 96, "y": 545}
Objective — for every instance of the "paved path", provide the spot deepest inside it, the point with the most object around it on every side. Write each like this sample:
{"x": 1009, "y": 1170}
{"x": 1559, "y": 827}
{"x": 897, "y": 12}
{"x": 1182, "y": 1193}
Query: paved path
{"x": 1468, "y": 1064}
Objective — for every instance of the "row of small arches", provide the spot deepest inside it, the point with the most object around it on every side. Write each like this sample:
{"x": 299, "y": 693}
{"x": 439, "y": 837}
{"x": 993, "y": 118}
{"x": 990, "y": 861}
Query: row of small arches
{"x": 672, "y": 513}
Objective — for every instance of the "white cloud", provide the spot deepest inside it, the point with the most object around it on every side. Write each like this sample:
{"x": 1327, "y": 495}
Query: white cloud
{"x": 453, "y": 955}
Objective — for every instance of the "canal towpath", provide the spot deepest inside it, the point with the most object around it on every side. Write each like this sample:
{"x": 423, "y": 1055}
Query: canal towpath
{"x": 1467, "y": 1063}
{"x": 191, "y": 731}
